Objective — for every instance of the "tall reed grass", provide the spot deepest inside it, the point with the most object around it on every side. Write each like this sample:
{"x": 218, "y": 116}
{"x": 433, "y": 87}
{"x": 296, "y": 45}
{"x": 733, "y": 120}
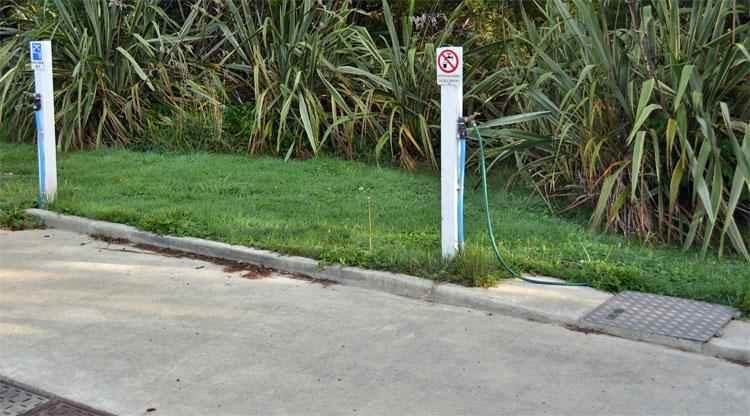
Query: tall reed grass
{"x": 637, "y": 111}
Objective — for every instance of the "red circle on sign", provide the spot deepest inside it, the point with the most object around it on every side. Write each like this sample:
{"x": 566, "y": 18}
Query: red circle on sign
{"x": 443, "y": 59}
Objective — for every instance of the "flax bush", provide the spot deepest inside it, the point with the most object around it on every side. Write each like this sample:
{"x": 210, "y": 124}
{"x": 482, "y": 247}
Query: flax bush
{"x": 647, "y": 121}
{"x": 635, "y": 111}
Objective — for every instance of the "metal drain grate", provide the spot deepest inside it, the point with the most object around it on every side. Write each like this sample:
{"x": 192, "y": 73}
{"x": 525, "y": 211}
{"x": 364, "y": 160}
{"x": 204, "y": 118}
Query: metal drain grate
{"x": 15, "y": 400}
{"x": 26, "y": 401}
{"x": 64, "y": 409}
{"x": 662, "y": 315}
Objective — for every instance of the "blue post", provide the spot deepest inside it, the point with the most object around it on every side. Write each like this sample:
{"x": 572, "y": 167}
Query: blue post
{"x": 40, "y": 153}
{"x": 461, "y": 174}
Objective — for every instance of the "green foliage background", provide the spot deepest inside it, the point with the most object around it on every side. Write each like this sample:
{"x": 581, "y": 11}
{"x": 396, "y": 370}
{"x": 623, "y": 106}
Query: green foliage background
{"x": 634, "y": 112}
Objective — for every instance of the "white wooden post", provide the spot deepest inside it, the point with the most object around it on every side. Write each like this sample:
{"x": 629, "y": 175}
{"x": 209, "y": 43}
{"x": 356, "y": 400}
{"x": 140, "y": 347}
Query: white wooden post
{"x": 450, "y": 78}
{"x": 41, "y": 62}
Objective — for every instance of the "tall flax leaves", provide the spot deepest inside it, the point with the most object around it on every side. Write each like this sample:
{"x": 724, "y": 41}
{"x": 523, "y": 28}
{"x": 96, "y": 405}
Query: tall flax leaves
{"x": 639, "y": 109}
{"x": 112, "y": 61}
{"x": 289, "y": 54}
{"x": 397, "y": 78}
{"x": 317, "y": 80}
{"x": 648, "y": 119}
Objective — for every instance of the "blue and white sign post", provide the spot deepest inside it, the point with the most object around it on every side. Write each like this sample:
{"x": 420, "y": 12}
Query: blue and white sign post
{"x": 450, "y": 77}
{"x": 44, "y": 114}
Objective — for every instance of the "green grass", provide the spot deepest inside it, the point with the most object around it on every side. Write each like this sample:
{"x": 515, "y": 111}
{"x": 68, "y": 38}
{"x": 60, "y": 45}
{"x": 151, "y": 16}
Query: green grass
{"x": 318, "y": 208}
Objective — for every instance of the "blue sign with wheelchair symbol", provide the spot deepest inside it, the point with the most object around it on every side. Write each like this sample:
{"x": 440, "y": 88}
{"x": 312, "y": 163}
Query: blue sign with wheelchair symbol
{"x": 36, "y": 52}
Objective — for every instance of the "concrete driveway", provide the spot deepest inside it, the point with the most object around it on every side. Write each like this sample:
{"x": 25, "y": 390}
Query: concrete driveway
{"x": 124, "y": 331}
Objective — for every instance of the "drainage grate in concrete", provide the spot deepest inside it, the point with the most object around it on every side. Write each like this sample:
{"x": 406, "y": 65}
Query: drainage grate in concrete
{"x": 64, "y": 409}
{"x": 15, "y": 400}
{"x": 662, "y": 315}
{"x": 26, "y": 401}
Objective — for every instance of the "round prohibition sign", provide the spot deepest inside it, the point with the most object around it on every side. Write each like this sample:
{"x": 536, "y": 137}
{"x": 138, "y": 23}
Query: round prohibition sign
{"x": 448, "y": 61}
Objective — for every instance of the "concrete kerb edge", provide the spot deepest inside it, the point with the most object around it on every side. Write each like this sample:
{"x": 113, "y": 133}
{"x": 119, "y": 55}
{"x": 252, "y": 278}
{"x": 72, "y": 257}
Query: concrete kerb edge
{"x": 394, "y": 283}
{"x": 737, "y": 354}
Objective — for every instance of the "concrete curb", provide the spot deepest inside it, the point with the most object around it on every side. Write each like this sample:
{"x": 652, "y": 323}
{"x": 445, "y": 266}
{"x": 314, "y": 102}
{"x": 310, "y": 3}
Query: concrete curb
{"x": 537, "y": 304}
{"x": 395, "y": 283}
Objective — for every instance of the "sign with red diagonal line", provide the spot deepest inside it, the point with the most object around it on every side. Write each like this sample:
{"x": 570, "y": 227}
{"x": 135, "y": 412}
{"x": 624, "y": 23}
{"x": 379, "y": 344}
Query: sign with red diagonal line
{"x": 449, "y": 65}
{"x": 447, "y": 61}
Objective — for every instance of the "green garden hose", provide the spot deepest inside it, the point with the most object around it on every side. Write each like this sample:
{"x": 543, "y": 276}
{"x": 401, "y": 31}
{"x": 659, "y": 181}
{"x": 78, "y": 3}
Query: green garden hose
{"x": 492, "y": 235}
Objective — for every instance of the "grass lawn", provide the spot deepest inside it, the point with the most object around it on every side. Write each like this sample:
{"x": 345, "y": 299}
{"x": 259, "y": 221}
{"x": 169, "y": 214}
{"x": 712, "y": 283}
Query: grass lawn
{"x": 319, "y": 209}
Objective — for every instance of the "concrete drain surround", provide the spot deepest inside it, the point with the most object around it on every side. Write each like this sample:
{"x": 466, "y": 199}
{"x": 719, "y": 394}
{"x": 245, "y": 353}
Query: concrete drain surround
{"x": 660, "y": 315}
{"x": 21, "y": 401}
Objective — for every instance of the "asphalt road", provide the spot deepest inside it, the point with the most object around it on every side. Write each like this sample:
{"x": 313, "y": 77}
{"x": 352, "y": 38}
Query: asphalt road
{"x": 124, "y": 330}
